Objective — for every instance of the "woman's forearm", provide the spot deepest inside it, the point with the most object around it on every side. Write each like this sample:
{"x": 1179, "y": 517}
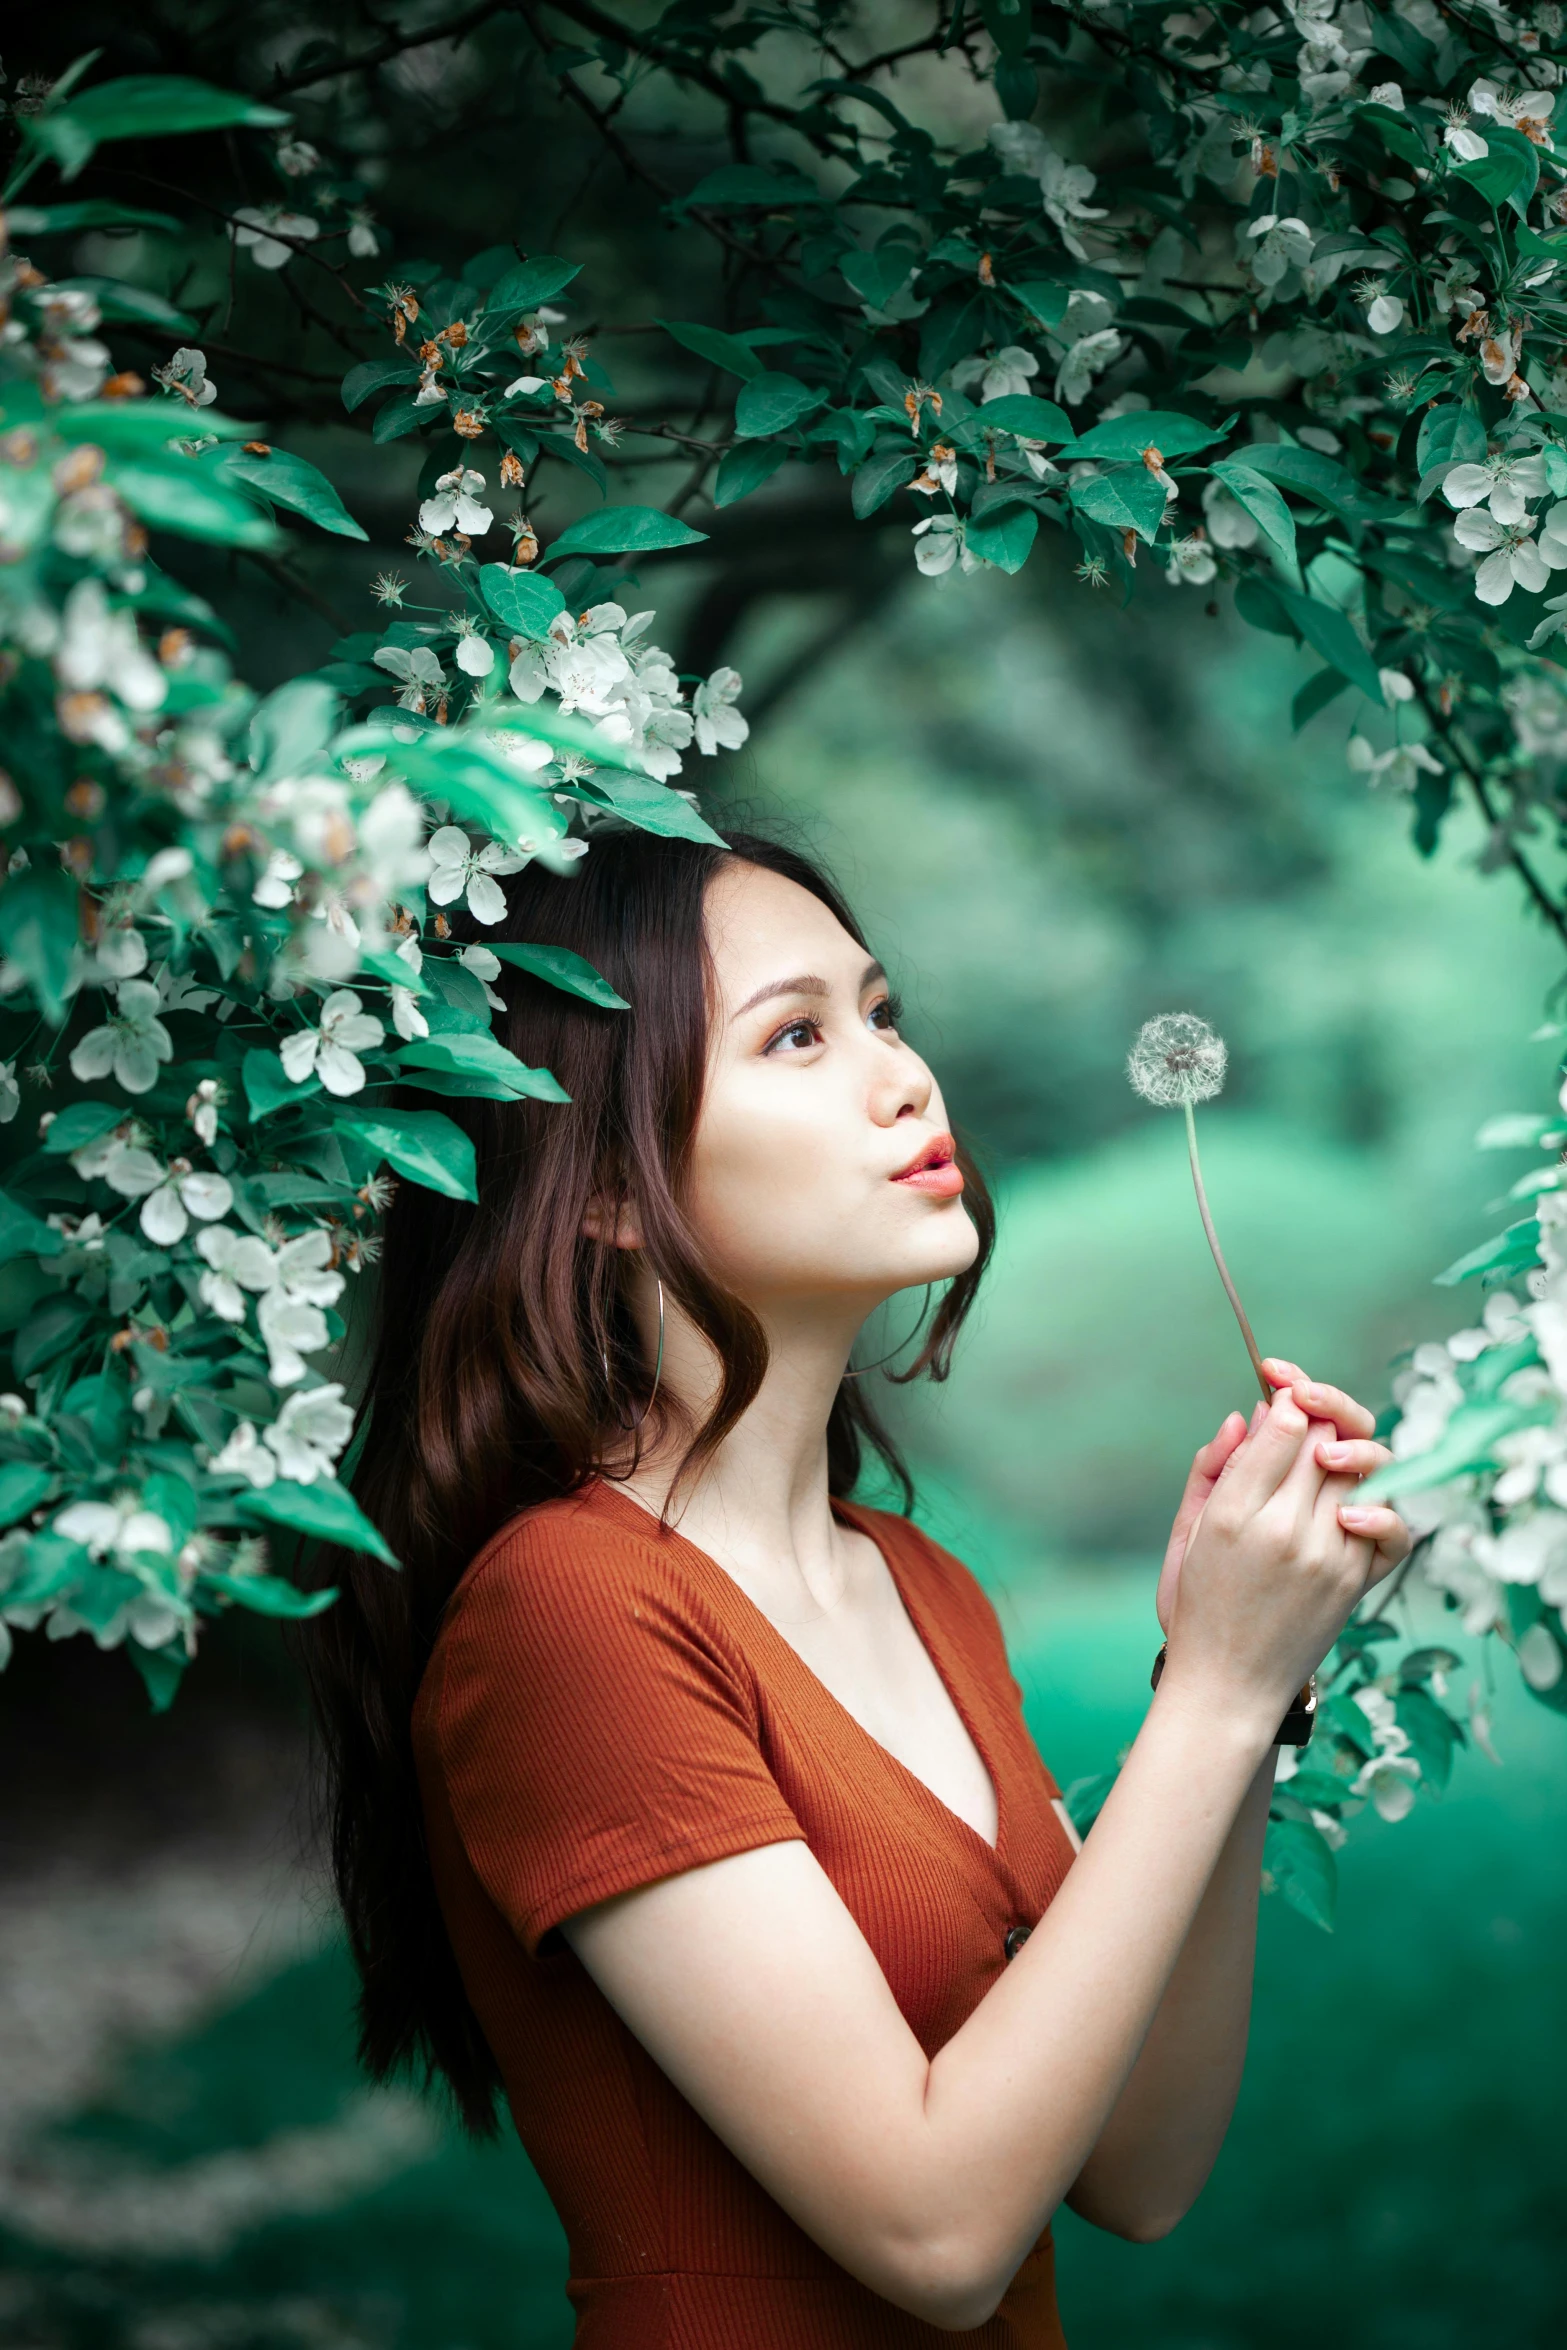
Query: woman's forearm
{"x": 1020, "y": 2096}
{"x": 1164, "y": 2134}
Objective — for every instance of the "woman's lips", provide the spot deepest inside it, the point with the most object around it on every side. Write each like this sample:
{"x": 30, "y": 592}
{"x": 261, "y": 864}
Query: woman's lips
{"x": 935, "y": 1171}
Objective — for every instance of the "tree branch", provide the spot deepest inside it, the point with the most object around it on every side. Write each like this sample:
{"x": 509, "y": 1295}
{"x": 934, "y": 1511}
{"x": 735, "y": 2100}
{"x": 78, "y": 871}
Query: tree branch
{"x": 1443, "y": 725}
{"x": 369, "y": 59}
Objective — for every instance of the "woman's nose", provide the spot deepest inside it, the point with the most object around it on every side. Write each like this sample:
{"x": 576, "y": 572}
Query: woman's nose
{"x": 902, "y": 1089}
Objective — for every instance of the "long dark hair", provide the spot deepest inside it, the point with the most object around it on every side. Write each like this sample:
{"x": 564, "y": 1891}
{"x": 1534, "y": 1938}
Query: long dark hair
{"x": 505, "y": 1366}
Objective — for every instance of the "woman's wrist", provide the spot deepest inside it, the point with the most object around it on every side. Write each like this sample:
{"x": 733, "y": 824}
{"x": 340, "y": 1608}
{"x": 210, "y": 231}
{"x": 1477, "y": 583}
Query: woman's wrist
{"x": 1243, "y": 1716}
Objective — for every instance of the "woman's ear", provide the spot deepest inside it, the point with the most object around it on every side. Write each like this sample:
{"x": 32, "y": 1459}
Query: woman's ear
{"x": 612, "y": 1222}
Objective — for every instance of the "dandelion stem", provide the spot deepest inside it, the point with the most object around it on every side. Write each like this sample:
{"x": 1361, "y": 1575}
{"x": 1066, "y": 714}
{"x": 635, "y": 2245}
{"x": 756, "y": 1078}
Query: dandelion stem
{"x": 1230, "y": 1290}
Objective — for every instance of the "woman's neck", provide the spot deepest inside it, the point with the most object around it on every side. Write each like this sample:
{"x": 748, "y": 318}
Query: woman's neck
{"x": 760, "y": 1504}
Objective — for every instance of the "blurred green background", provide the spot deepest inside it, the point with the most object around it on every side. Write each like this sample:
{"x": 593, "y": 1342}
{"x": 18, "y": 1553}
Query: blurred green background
{"x": 1057, "y": 819}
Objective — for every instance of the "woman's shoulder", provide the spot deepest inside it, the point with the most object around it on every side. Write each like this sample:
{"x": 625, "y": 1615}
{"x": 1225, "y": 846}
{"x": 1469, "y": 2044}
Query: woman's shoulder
{"x": 589, "y": 1575}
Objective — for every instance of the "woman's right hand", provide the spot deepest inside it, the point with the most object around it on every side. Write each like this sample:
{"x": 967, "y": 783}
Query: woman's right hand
{"x": 1270, "y": 1574}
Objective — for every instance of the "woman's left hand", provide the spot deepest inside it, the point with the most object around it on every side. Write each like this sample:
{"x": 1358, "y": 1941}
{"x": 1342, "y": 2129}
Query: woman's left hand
{"x": 1345, "y": 1446}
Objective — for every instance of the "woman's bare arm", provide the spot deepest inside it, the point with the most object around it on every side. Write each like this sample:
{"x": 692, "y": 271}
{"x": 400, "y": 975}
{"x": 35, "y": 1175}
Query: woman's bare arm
{"x": 752, "y": 1987}
{"x": 1152, "y": 2158}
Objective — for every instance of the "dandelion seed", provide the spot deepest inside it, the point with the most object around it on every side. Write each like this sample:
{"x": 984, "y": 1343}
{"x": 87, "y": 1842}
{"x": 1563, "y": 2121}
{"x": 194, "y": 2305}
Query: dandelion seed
{"x": 1178, "y": 1061}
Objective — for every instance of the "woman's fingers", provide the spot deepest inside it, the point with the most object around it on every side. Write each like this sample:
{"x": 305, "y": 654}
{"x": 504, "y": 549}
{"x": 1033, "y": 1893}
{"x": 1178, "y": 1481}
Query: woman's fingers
{"x": 1375, "y": 1523}
{"x": 1259, "y": 1467}
{"x": 1351, "y": 1456}
{"x": 1319, "y": 1401}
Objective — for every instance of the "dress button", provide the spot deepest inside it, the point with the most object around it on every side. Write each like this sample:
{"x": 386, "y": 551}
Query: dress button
{"x": 1016, "y": 1939}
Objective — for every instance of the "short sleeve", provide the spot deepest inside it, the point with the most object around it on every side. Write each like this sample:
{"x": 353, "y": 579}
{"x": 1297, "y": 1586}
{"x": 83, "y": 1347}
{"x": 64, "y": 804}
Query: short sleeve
{"x": 591, "y": 1726}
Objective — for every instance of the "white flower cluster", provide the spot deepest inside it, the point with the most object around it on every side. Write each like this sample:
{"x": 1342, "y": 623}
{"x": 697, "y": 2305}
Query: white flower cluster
{"x": 598, "y": 664}
{"x": 1496, "y": 1394}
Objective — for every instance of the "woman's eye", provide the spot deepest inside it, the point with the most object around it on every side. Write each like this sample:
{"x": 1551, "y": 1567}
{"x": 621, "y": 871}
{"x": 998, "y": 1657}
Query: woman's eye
{"x": 887, "y": 1014}
{"x": 795, "y": 1037}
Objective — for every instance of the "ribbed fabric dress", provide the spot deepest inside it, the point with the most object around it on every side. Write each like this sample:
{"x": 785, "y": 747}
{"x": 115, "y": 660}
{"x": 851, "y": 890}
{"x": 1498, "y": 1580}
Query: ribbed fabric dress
{"x": 606, "y": 1707}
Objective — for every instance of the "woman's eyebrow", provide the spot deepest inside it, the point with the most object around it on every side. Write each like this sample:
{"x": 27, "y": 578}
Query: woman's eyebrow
{"x": 803, "y": 983}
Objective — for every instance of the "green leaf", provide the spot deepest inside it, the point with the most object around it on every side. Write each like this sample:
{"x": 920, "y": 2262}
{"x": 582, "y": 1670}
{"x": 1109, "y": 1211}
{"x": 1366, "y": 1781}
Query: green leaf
{"x": 268, "y": 1086}
{"x": 1431, "y": 1731}
{"x": 326, "y": 1511}
{"x": 880, "y": 476}
{"x": 1045, "y": 299}
{"x": 50, "y": 1331}
{"x": 23, "y": 1485}
{"x": 1315, "y": 695}
{"x": 1128, "y": 499}
{"x": 480, "y": 1056}
{"x": 78, "y": 1124}
{"x": 70, "y": 220}
{"x": 130, "y": 305}
{"x": 38, "y": 923}
{"x": 1301, "y": 1865}
{"x": 623, "y": 530}
{"x": 1331, "y": 633}
{"x": 374, "y": 375}
{"x": 404, "y": 414}
{"x": 1313, "y": 474}
{"x": 1508, "y": 173}
{"x": 1030, "y": 419}
{"x": 1172, "y": 434}
{"x": 708, "y": 342}
{"x": 561, "y": 968}
{"x": 736, "y": 186}
{"x": 745, "y": 469}
{"x": 22, "y": 1234}
{"x": 531, "y": 283}
{"x": 189, "y": 499}
{"x": 651, "y": 807}
{"x": 1449, "y": 435}
{"x": 161, "y": 1670}
{"x": 1005, "y": 538}
{"x": 520, "y": 600}
{"x": 877, "y": 276}
{"x": 142, "y": 428}
{"x": 424, "y": 1145}
{"x": 271, "y": 1595}
{"x": 287, "y": 480}
{"x": 141, "y": 106}
{"x": 1464, "y": 1445}
{"x": 1512, "y": 1251}
{"x": 772, "y": 403}
{"x": 1261, "y": 501}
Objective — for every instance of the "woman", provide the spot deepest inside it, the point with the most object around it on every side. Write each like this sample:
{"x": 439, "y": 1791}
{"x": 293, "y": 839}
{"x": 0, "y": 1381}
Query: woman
{"x": 689, "y": 1801}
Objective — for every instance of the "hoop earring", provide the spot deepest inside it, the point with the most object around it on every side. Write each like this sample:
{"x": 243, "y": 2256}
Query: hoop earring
{"x": 866, "y": 1368}
{"x": 631, "y": 1426}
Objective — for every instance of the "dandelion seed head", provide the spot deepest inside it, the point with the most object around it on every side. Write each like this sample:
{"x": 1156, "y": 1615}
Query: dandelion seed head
{"x": 1177, "y": 1059}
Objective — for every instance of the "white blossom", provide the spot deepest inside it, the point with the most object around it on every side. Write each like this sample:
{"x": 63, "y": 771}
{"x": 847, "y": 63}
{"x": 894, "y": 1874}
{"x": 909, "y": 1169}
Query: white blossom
{"x": 455, "y": 505}
{"x": 407, "y": 1018}
{"x": 332, "y": 1050}
{"x": 1512, "y": 556}
{"x": 262, "y": 227}
{"x": 1086, "y": 359}
{"x": 1465, "y": 143}
{"x": 457, "y": 867}
{"x": 1504, "y": 484}
{"x": 130, "y": 1044}
{"x": 1064, "y": 187}
{"x": 185, "y": 377}
{"x": 719, "y": 725}
{"x": 418, "y": 670}
{"x": 1001, "y": 374}
{"x": 1278, "y": 246}
{"x": 1384, "y": 314}
{"x": 246, "y": 1456}
{"x": 1191, "y": 561}
{"x": 1228, "y": 523}
{"x": 309, "y": 1433}
{"x": 236, "y": 1261}
{"x": 10, "y": 1092}
{"x": 99, "y": 649}
{"x": 1402, "y": 766}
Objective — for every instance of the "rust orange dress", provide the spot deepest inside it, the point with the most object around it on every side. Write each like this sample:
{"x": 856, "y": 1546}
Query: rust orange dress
{"x": 606, "y": 1707}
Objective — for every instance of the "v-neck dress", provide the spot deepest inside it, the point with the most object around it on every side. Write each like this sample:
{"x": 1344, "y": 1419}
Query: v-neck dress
{"x": 605, "y": 1706}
